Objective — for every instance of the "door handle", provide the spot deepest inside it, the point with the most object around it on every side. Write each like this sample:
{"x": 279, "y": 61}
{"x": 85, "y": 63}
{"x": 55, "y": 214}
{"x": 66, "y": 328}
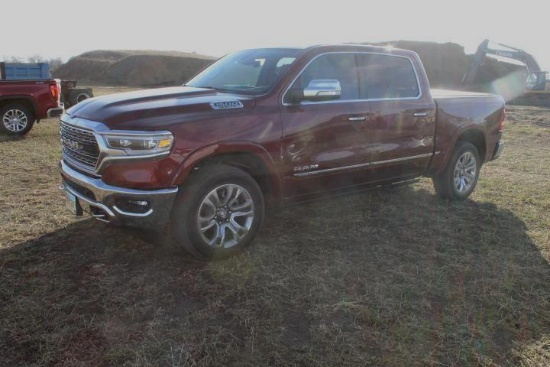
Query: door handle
{"x": 420, "y": 114}
{"x": 357, "y": 118}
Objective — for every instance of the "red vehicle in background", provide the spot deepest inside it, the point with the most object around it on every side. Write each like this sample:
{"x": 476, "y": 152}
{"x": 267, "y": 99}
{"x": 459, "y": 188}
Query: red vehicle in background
{"x": 27, "y": 98}
{"x": 28, "y": 94}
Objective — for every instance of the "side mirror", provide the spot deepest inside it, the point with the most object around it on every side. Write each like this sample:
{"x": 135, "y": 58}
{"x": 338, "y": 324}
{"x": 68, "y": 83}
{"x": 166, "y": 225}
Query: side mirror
{"x": 323, "y": 90}
{"x": 317, "y": 90}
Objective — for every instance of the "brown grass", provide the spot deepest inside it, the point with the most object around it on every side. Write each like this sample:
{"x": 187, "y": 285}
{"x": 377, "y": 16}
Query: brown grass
{"x": 393, "y": 277}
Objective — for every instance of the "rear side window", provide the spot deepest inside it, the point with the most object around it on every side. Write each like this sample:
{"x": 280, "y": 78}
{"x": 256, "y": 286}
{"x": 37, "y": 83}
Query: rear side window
{"x": 386, "y": 77}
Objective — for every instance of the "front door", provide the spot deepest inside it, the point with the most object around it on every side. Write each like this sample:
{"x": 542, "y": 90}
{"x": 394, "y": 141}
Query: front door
{"x": 322, "y": 139}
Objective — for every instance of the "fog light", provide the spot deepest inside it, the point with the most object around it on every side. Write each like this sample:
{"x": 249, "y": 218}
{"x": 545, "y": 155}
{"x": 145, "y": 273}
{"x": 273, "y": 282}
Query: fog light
{"x": 133, "y": 206}
{"x": 139, "y": 202}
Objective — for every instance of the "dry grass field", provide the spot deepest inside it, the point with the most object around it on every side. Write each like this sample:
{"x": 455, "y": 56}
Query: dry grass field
{"x": 391, "y": 277}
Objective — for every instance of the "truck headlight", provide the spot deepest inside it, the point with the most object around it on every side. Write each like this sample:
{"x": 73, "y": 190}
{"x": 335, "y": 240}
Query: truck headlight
{"x": 140, "y": 144}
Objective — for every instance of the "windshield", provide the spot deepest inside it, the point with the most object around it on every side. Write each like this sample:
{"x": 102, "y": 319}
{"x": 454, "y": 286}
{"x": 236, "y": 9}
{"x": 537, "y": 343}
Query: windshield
{"x": 249, "y": 72}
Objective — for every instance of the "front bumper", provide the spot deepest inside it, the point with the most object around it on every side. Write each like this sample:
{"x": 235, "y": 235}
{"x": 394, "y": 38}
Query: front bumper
{"x": 114, "y": 204}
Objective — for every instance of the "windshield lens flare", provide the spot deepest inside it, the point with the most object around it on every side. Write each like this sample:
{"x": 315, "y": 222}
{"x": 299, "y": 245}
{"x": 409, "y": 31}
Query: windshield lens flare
{"x": 252, "y": 72}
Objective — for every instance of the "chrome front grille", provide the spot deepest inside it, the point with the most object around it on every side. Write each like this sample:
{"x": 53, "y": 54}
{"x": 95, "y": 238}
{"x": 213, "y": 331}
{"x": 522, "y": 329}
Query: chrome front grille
{"x": 79, "y": 146}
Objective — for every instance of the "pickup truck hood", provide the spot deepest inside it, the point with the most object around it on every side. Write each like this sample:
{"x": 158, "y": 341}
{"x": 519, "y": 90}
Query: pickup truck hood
{"x": 155, "y": 109}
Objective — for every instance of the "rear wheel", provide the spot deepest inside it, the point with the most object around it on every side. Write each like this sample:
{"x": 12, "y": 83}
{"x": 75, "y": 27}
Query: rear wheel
{"x": 218, "y": 212}
{"x": 78, "y": 95}
{"x": 459, "y": 178}
{"x": 16, "y": 119}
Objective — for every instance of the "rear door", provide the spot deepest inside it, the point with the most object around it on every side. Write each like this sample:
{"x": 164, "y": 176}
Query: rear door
{"x": 400, "y": 128}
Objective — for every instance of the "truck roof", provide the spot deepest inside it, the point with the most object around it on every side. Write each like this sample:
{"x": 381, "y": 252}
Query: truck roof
{"x": 341, "y": 46}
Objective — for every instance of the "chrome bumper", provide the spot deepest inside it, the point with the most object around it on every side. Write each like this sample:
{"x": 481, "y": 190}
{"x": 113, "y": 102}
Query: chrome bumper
{"x": 103, "y": 201}
{"x": 55, "y": 112}
{"x": 498, "y": 149}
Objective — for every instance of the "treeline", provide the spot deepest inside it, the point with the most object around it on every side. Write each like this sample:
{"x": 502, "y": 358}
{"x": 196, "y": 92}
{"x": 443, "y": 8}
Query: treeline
{"x": 53, "y": 62}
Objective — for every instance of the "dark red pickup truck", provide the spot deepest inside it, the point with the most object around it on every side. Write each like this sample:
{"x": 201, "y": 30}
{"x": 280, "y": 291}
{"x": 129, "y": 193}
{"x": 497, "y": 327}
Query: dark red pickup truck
{"x": 271, "y": 126}
{"x": 24, "y": 102}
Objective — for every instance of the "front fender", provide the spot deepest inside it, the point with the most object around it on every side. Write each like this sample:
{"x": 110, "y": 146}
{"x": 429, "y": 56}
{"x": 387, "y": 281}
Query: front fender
{"x": 221, "y": 149}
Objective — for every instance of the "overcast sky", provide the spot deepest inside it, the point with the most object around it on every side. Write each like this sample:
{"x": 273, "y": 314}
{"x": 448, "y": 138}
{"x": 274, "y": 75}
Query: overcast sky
{"x": 66, "y": 28}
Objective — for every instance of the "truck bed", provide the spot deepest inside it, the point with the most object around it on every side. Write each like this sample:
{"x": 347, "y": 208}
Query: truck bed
{"x": 461, "y": 110}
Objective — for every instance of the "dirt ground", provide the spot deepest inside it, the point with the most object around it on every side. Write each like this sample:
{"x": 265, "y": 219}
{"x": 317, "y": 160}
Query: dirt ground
{"x": 391, "y": 277}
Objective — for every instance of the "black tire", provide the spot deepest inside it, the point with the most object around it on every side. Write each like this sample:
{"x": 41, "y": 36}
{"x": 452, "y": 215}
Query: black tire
{"x": 79, "y": 95}
{"x": 16, "y": 119}
{"x": 459, "y": 178}
{"x": 233, "y": 189}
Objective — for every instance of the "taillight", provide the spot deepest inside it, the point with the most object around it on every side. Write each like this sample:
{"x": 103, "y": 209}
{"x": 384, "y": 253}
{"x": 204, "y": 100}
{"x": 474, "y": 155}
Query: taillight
{"x": 54, "y": 90}
{"x": 501, "y": 120}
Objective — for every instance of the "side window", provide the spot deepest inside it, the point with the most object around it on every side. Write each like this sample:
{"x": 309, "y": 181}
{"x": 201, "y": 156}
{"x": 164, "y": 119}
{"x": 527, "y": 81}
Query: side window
{"x": 387, "y": 77}
{"x": 341, "y": 67}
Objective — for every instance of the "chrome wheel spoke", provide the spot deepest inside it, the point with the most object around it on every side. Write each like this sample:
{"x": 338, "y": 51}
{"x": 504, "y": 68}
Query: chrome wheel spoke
{"x": 459, "y": 184}
{"x": 15, "y": 120}
{"x": 218, "y": 238}
{"x": 247, "y": 204}
{"x": 471, "y": 164}
{"x": 238, "y": 230}
{"x": 464, "y": 183}
{"x": 206, "y": 224}
{"x": 225, "y": 215}
{"x": 231, "y": 202}
{"x": 208, "y": 204}
{"x": 231, "y": 194}
{"x": 214, "y": 198}
{"x": 465, "y": 172}
{"x": 240, "y": 214}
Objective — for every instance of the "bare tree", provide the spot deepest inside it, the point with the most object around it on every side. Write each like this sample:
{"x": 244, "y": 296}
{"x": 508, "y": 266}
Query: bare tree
{"x": 55, "y": 63}
{"x": 13, "y": 59}
{"x": 35, "y": 58}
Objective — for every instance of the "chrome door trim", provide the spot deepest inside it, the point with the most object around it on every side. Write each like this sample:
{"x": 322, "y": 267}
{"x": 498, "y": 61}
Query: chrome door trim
{"x": 377, "y": 163}
{"x": 420, "y": 91}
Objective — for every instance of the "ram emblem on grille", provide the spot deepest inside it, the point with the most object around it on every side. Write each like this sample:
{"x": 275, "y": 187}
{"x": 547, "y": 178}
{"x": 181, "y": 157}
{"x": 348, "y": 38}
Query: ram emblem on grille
{"x": 71, "y": 144}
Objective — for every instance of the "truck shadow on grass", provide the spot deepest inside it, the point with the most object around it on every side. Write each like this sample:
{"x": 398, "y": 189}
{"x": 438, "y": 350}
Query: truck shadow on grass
{"x": 9, "y": 138}
{"x": 392, "y": 277}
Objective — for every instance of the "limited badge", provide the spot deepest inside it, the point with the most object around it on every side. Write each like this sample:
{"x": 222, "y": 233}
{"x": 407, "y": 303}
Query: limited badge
{"x": 226, "y": 105}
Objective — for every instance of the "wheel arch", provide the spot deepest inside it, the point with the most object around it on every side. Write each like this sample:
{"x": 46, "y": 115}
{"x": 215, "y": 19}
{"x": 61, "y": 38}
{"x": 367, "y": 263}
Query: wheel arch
{"x": 474, "y": 135}
{"x": 251, "y": 158}
{"x": 26, "y": 101}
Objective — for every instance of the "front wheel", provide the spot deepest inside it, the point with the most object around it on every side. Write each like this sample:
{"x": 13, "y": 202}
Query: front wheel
{"x": 16, "y": 119}
{"x": 459, "y": 178}
{"x": 218, "y": 212}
